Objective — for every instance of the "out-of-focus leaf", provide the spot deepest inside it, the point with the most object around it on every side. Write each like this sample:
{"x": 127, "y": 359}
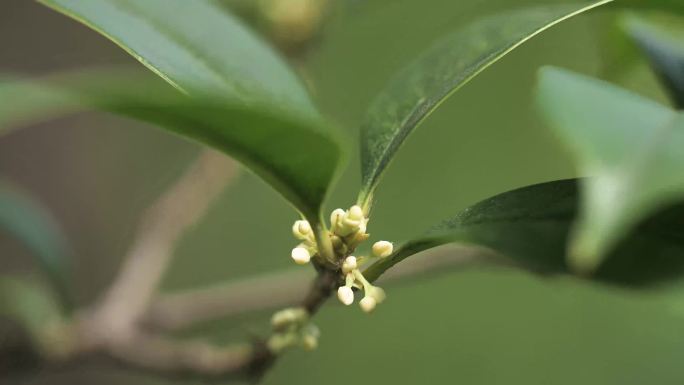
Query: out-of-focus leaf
{"x": 631, "y": 145}
{"x": 30, "y": 309}
{"x": 420, "y": 88}
{"x": 194, "y": 45}
{"x": 531, "y": 226}
{"x": 619, "y": 54}
{"x": 29, "y": 102}
{"x": 659, "y": 5}
{"x": 27, "y": 220}
{"x": 296, "y": 154}
{"x": 662, "y": 40}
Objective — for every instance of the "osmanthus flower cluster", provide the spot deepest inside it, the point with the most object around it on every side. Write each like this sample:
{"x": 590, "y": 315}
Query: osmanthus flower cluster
{"x": 347, "y": 231}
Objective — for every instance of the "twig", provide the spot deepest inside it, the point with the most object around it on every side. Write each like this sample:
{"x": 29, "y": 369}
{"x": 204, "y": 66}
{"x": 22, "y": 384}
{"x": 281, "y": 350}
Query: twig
{"x": 160, "y": 228}
{"x": 189, "y": 359}
{"x": 281, "y": 289}
{"x": 268, "y": 291}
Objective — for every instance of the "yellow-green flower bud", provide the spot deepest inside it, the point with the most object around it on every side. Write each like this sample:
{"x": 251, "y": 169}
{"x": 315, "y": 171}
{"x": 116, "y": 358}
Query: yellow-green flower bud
{"x": 383, "y": 249}
{"x": 345, "y": 295}
{"x": 301, "y": 256}
{"x": 349, "y": 264}
{"x": 368, "y": 304}
{"x": 302, "y": 230}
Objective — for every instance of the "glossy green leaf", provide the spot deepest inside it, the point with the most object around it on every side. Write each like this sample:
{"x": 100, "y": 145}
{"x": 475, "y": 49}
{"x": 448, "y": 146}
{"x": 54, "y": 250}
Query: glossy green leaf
{"x": 662, "y": 40}
{"x": 297, "y": 155}
{"x": 27, "y": 220}
{"x": 530, "y": 226}
{"x": 631, "y": 145}
{"x": 421, "y": 87}
{"x": 194, "y": 45}
{"x": 204, "y": 51}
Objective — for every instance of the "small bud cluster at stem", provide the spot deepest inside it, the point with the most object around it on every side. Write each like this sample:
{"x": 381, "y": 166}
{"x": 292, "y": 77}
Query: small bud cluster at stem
{"x": 292, "y": 328}
{"x": 353, "y": 278}
{"x": 304, "y": 251}
{"x": 347, "y": 231}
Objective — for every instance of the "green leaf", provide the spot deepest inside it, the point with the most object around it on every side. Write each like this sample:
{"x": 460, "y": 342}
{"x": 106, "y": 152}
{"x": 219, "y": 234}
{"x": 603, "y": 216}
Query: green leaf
{"x": 29, "y": 102}
{"x": 26, "y": 219}
{"x": 531, "y": 225}
{"x": 194, "y": 45}
{"x": 35, "y": 311}
{"x": 419, "y": 89}
{"x": 662, "y": 41}
{"x": 631, "y": 145}
{"x": 205, "y": 52}
{"x": 297, "y": 155}
{"x": 659, "y": 5}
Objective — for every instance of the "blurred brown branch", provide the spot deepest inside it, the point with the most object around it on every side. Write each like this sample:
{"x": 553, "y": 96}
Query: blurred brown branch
{"x": 276, "y": 290}
{"x": 111, "y": 328}
{"x": 160, "y": 228}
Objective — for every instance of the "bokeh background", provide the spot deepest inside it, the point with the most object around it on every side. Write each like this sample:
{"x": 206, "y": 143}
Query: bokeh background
{"x": 98, "y": 173}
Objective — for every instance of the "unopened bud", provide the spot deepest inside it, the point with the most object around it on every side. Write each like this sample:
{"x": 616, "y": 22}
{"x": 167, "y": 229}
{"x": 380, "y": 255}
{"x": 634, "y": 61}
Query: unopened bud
{"x": 336, "y": 217}
{"x": 346, "y": 295}
{"x": 280, "y": 319}
{"x": 301, "y": 229}
{"x": 309, "y": 342}
{"x": 355, "y": 213}
{"x": 368, "y": 304}
{"x": 383, "y": 249}
{"x": 377, "y": 293}
{"x": 349, "y": 264}
{"x": 288, "y": 316}
{"x": 310, "y": 335}
{"x": 301, "y": 255}
{"x": 362, "y": 226}
{"x": 338, "y": 244}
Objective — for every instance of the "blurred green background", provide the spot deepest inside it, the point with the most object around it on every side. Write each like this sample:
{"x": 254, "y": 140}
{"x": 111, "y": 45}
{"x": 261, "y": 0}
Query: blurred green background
{"x": 97, "y": 173}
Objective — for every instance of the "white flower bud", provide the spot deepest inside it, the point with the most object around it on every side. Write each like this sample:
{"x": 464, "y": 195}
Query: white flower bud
{"x": 336, "y": 217}
{"x": 288, "y": 316}
{"x": 377, "y": 293}
{"x": 362, "y": 226}
{"x": 350, "y": 223}
{"x": 383, "y": 249}
{"x": 301, "y": 255}
{"x": 355, "y": 213}
{"x": 347, "y": 226}
{"x": 310, "y": 335}
{"x": 301, "y": 229}
{"x": 368, "y": 304}
{"x": 309, "y": 342}
{"x": 349, "y": 264}
{"x": 280, "y": 319}
{"x": 312, "y": 330}
{"x": 346, "y": 295}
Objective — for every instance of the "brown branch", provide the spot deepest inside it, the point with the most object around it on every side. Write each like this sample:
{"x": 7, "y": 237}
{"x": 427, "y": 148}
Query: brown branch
{"x": 160, "y": 228}
{"x": 268, "y": 291}
{"x": 148, "y": 351}
{"x": 190, "y": 359}
{"x": 80, "y": 343}
{"x": 276, "y": 290}
{"x": 111, "y": 329}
